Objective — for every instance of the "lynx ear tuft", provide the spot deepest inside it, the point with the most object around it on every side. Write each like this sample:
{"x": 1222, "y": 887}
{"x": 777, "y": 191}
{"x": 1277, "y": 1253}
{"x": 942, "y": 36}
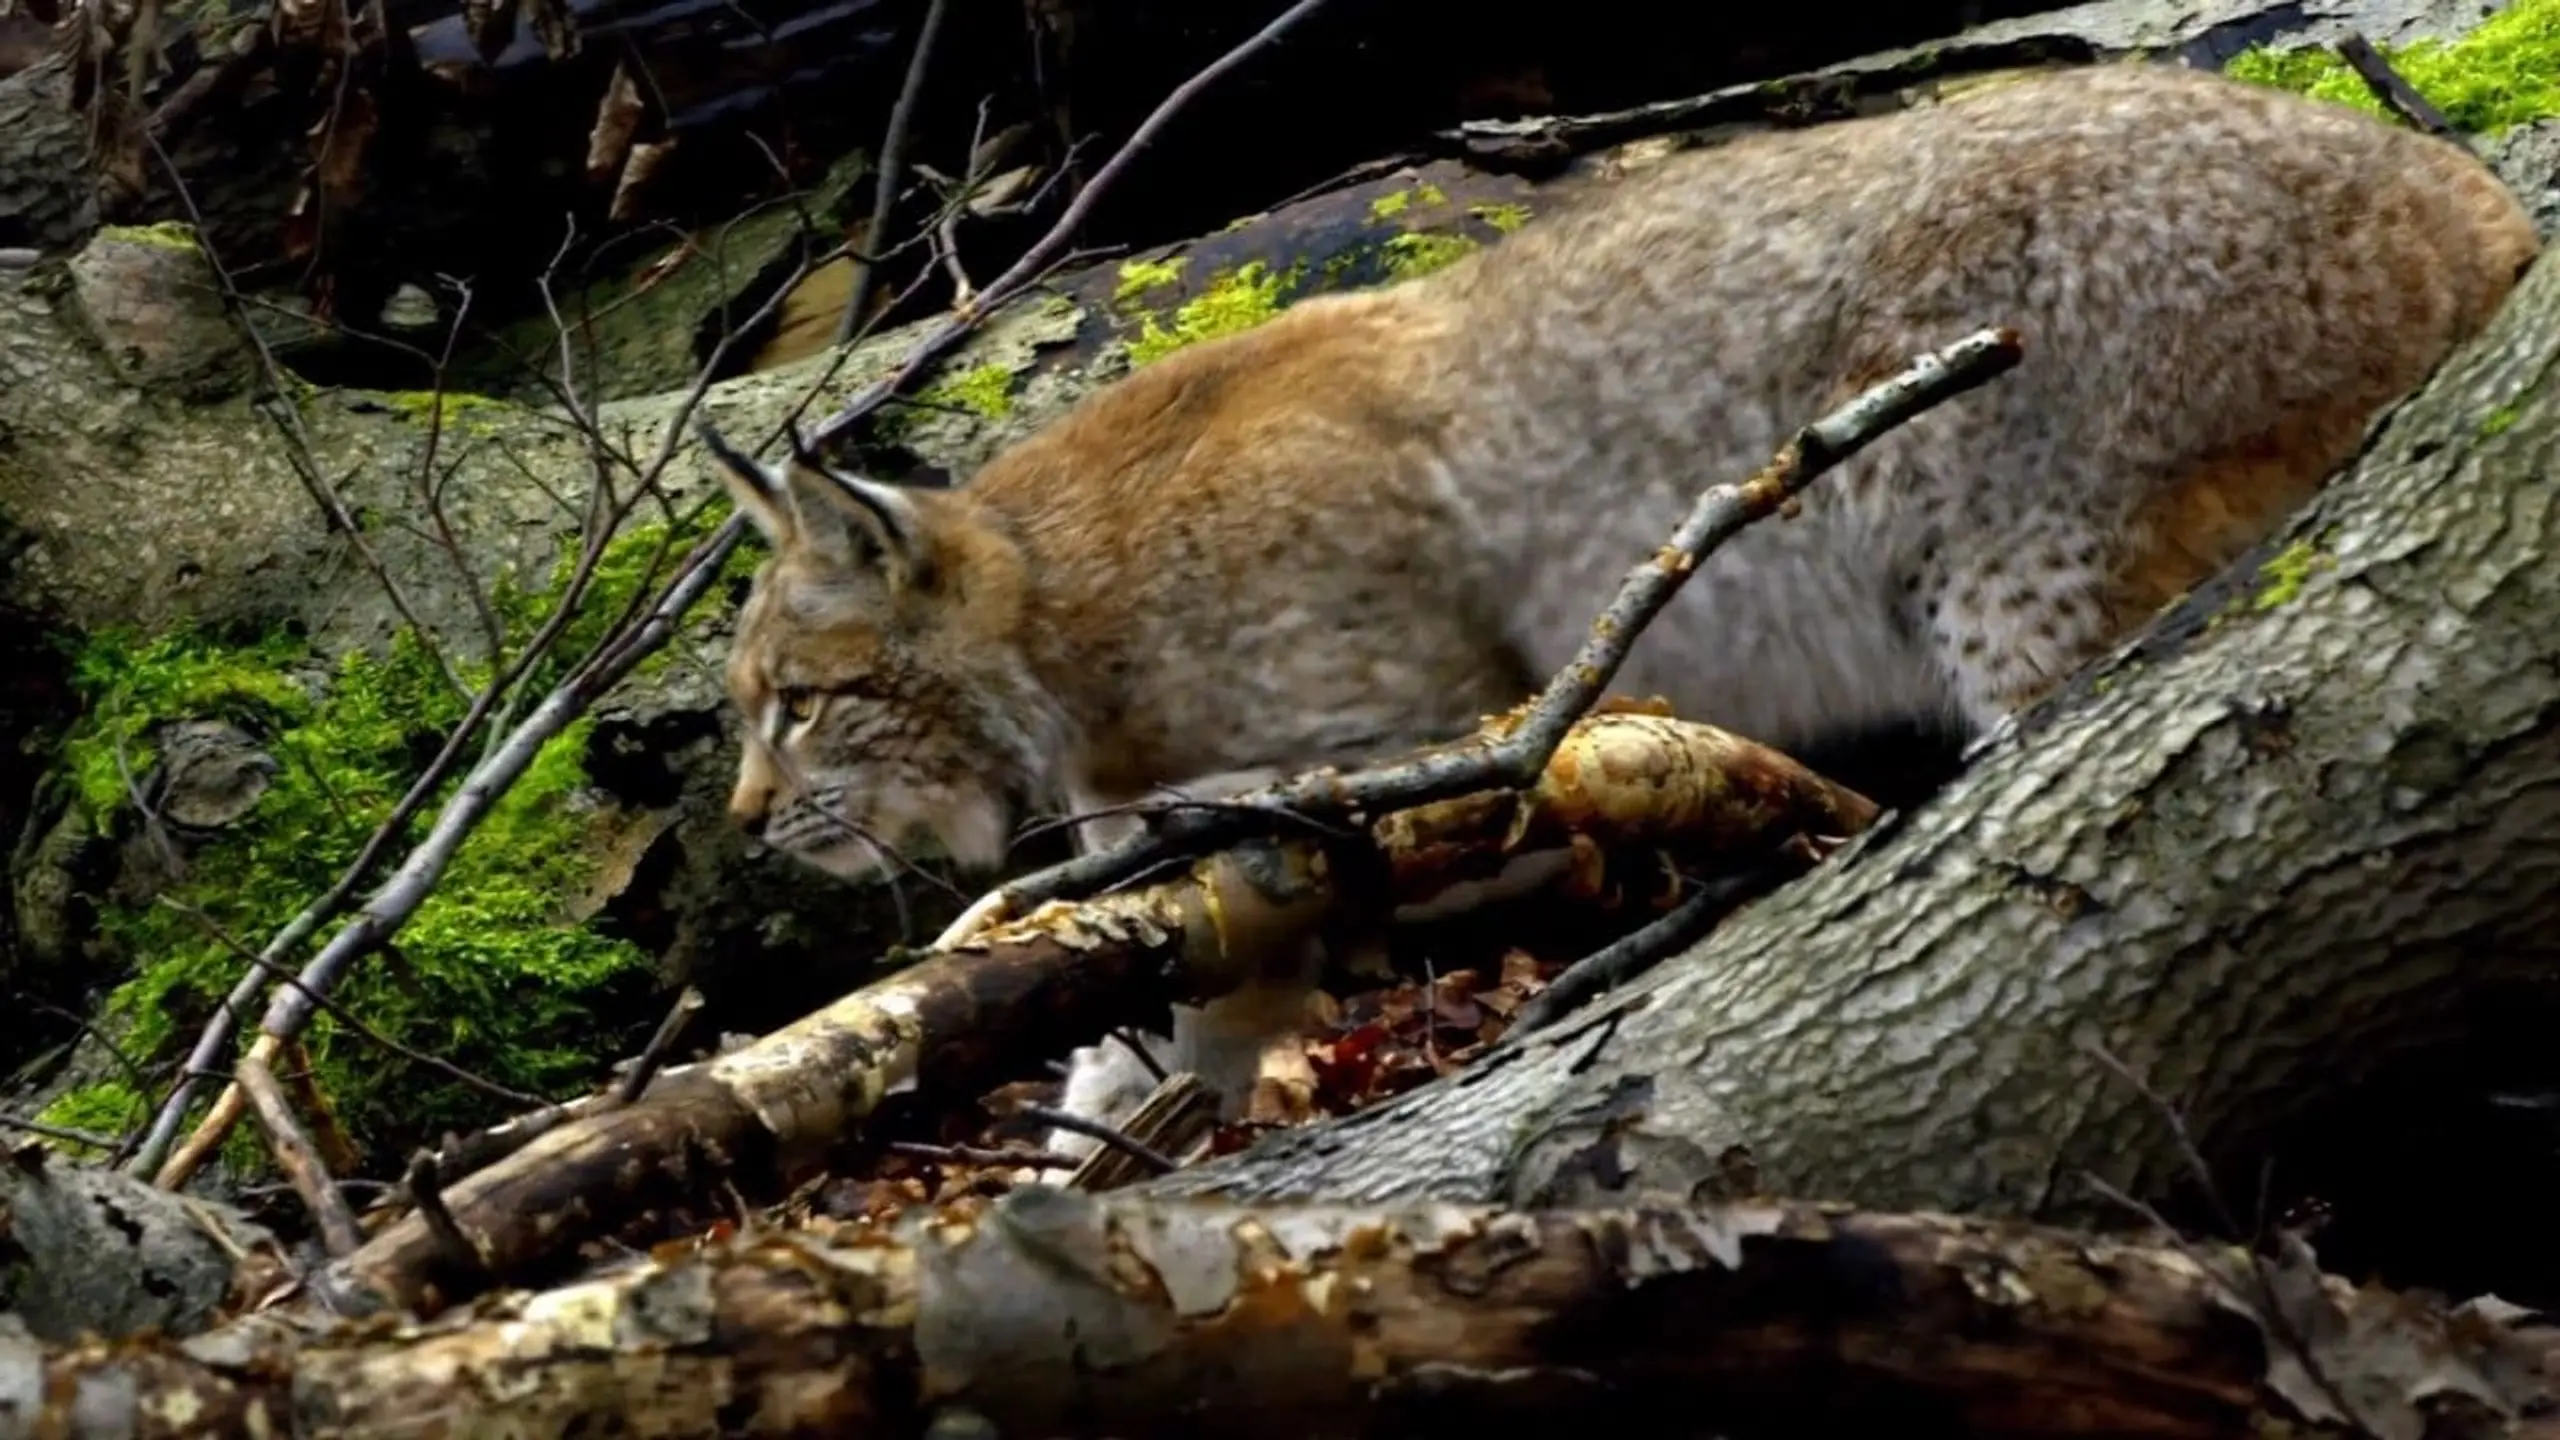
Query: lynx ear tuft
{"x": 761, "y": 493}
{"x": 860, "y": 522}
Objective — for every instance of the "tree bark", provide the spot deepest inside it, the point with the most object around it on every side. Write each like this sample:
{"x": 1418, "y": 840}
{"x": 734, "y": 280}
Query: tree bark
{"x": 2306, "y": 826}
{"x": 1051, "y": 1313}
{"x": 87, "y": 1249}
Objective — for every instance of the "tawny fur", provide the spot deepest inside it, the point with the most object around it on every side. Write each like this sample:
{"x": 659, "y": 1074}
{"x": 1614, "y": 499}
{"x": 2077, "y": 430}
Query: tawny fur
{"x": 1376, "y": 517}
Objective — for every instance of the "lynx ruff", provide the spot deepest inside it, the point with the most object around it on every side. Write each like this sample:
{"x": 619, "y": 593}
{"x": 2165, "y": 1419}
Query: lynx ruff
{"x": 1377, "y": 517}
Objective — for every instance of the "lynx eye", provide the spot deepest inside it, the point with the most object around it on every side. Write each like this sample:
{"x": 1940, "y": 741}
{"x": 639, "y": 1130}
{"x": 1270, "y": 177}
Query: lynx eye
{"x": 799, "y": 702}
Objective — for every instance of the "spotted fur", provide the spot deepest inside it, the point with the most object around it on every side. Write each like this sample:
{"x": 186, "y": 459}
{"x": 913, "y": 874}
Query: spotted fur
{"x": 1378, "y": 516}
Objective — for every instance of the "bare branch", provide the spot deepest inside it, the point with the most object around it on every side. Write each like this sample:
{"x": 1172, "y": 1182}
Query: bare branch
{"x": 299, "y": 1159}
{"x": 2394, "y": 93}
{"x": 1631, "y": 955}
{"x": 893, "y": 165}
{"x": 1036, "y": 260}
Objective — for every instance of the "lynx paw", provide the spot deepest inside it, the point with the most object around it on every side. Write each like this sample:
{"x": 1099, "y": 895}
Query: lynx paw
{"x": 1105, "y": 1083}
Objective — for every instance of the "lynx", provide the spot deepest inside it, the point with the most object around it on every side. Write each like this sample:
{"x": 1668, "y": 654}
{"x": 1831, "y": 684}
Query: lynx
{"x": 1379, "y": 516}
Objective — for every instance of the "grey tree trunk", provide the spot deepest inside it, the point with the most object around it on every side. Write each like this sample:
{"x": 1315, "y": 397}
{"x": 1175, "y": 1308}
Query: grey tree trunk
{"x": 2306, "y": 827}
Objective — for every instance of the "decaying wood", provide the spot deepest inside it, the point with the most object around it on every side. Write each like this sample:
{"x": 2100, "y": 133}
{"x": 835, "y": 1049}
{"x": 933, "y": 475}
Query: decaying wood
{"x": 1176, "y": 1116}
{"x": 1052, "y": 1313}
{"x": 965, "y": 1017}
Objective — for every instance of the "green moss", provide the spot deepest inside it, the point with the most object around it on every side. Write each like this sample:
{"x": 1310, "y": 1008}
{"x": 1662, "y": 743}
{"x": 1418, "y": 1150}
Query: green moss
{"x": 1234, "y": 300}
{"x": 449, "y": 409}
{"x": 111, "y": 1107}
{"x": 491, "y": 973}
{"x": 2505, "y": 72}
{"x": 986, "y": 390}
{"x": 2500, "y": 421}
{"x": 1503, "y": 217}
{"x": 1396, "y": 202}
{"x": 2282, "y": 577}
{"x": 1137, "y": 277}
{"x": 167, "y": 234}
{"x": 1424, "y": 251}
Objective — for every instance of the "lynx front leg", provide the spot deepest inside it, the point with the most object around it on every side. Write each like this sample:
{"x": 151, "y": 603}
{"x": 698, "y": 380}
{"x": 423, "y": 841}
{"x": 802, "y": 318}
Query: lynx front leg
{"x": 2010, "y": 617}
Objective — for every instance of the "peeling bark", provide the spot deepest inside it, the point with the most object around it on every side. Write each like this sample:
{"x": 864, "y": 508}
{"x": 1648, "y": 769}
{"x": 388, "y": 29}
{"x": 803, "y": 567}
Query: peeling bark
{"x": 1051, "y": 1313}
{"x": 2309, "y": 825}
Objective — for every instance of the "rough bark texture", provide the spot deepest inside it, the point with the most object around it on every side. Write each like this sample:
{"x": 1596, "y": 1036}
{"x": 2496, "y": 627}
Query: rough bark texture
{"x": 47, "y": 198}
{"x": 85, "y": 1249}
{"x": 2309, "y": 826}
{"x": 1049, "y": 1313}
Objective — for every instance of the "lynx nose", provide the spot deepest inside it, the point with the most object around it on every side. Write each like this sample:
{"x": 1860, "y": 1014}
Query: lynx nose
{"x": 751, "y": 809}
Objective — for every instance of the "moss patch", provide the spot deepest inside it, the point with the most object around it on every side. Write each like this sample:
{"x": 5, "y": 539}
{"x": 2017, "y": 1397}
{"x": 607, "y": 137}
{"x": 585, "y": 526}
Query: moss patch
{"x": 1504, "y": 218}
{"x": 2282, "y": 577}
{"x": 1235, "y": 300}
{"x": 1137, "y": 277}
{"x": 2506, "y": 72}
{"x": 1396, "y": 202}
{"x": 985, "y": 390}
{"x": 167, "y": 234}
{"x": 454, "y": 410}
{"x": 1424, "y": 251}
{"x": 489, "y": 974}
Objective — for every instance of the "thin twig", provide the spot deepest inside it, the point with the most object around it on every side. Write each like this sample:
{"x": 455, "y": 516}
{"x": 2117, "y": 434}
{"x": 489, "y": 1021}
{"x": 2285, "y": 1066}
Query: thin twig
{"x": 1632, "y": 954}
{"x": 64, "y": 1133}
{"x": 1137, "y": 1150}
{"x": 268, "y": 969}
{"x": 2394, "y": 93}
{"x": 463, "y": 1156}
{"x": 1512, "y": 753}
{"x": 300, "y": 1160}
{"x": 2270, "y": 1303}
{"x": 1036, "y": 260}
{"x": 662, "y": 1041}
{"x": 424, "y": 1184}
{"x": 982, "y": 1155}
{"x": 893, "y": 164}
{"x": 298, "y": 448}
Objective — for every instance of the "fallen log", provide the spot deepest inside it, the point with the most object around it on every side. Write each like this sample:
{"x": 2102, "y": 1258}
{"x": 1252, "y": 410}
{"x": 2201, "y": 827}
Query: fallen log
{"x": 968, "y": 1016}
{"x": 1053, "y": 1313}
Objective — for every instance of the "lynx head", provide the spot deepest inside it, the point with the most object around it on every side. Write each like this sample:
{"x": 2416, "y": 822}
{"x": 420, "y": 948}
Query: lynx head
{"x": 879, "y": 668}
